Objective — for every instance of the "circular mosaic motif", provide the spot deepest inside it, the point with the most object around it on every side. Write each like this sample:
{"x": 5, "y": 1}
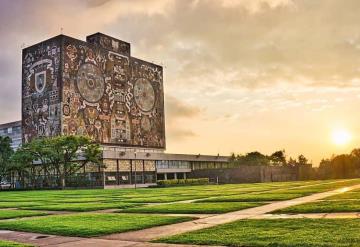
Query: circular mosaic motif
{"x": 144, "y": 94}
{"x": 90, "y": 82}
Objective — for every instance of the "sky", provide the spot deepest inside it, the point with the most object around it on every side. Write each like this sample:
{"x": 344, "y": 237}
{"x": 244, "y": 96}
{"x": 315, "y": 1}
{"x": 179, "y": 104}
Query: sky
{"x": 239, "y": 75}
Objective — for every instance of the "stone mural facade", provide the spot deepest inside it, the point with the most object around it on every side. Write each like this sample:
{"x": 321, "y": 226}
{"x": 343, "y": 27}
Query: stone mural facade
{"x": 41, "y": 104}
{"x": 103, "y": 92}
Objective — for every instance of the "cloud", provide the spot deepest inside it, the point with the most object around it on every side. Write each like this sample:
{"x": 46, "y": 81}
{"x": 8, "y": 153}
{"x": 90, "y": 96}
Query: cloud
{"x": 178, "y": 115}
{"x": 241, "y": 60}
{"x": 181, "y": 134}
{"x": 176, "y": 108}
{"x": 261, "y": 43}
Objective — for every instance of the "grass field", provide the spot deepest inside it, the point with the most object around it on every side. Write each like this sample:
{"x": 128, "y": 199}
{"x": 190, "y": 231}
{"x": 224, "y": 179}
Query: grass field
{"x": 13, "y": 244}
{"x": 9, "y": 214}
{"x": 323, "y": 207}
{"x": 88, "y": 224}
{"x": 4, "y": 204}
{"x": 195, "y": 208}
{"x": 253, "y": 197}
{"x": 279, "y": 233}
{"x": 345, "y": 202}
{"x": 82, "y": 207}
{"x": 152, "y": 202}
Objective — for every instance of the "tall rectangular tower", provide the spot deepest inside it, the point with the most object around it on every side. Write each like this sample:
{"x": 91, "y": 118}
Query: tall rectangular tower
{"x": 92, "y": 88}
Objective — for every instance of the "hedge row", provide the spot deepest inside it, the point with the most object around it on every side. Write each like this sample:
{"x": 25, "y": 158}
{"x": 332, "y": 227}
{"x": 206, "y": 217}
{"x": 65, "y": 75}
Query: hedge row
{"x": 178, "y": 182}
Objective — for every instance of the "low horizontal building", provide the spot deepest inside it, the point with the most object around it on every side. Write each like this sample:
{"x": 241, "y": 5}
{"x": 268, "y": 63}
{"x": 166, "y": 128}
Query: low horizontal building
{"x": 146, "y": 166}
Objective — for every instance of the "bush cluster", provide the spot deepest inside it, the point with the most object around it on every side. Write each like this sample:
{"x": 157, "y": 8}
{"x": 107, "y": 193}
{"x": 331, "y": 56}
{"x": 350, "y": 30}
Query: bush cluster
{"x": 179, "y": 182}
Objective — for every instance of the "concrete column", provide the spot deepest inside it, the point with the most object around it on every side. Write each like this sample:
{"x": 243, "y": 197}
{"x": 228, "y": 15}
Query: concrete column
{"x": 165, "y": 176}
{"x": 104, "y": 178}
{"x": 143, "y": 171}
{"x": 175, "y": 175}
{"x": 117, "y": 173}
{"x": 130, "y": 178}
{"x": 184, "y": 175}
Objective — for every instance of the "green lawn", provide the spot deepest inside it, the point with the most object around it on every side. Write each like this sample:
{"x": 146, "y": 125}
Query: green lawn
{"x": 323, "y": 207}
{"x": 253, "y": 197}
{"x": 89, "y": 225}
{"x": 142, "y": 195}
{"x": 344, "y": 202}
{"x": 89, "y": 200}
{"x": 161, "y": 199}
{"x": 279, "y": 233}
{"x": 13, "y": 244}
{"x": 82, "y": 207}
{"x": 195, "y": 208}
{"x": 352, "y": 195}
{"x": 9, "y": 214}
{"x": 17, "y": 204}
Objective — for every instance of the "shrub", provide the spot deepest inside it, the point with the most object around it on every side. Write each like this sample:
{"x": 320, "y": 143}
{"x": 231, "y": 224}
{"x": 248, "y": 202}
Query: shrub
{"x": 180, "y": 182}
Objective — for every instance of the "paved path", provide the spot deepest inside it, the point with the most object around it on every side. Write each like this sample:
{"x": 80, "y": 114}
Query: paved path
{"x": 169, "y": 230}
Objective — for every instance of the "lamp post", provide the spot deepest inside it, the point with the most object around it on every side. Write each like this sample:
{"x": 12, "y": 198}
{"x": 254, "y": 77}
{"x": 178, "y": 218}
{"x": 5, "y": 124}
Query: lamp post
{"x": 135, "y": 167}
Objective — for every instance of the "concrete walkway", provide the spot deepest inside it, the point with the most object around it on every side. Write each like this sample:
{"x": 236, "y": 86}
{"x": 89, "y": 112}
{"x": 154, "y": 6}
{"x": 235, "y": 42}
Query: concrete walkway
{"x": 169, "y": 230}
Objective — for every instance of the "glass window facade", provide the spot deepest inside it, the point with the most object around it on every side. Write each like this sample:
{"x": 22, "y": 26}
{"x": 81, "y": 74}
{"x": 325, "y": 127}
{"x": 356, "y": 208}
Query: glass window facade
{"x": 173, "y": 164}
{"x": 14, "y": 131}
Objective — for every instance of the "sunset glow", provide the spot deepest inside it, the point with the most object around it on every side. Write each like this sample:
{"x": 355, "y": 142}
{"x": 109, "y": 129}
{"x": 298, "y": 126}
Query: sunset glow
{"x": 341, "y": 137}
{"x": 253, "y": 76}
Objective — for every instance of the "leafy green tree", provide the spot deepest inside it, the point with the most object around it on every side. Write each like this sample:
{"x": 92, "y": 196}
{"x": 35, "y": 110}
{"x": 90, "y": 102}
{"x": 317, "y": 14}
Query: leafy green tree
{"x": 292, "y": 162}
{"x": 64, "y": 154}
{"x": 302, "y": 160}
{"x": 21, "y": 163}
{"x": 5, "y": 153}
{"x": 278, "y": 158}
{"x": 256, "y": 158}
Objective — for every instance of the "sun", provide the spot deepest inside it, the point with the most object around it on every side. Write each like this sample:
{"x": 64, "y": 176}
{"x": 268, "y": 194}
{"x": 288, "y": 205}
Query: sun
{"x": 341, "y": 137}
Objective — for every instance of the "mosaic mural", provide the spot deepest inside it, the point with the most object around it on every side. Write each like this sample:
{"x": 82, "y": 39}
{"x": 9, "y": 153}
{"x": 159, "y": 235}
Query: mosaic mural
{"x": 92, "y": 88}
{"x": 40, "y": 90}
{"x": 112, "y": 97}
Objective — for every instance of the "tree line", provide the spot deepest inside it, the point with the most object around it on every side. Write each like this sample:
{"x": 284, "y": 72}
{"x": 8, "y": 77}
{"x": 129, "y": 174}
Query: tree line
{"x": 341, "y": 166}
{"x": 277, "y": 158}
{"x": 338, "y": 166}
{"x": 60, "y": 155}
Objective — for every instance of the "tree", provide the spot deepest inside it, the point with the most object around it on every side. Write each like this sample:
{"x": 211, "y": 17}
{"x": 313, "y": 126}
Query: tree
{"x": 302, "y": 160}
{"x": 278, "y": 158}
{"x": 21, "y": 162}
{"x": 65, "y": 154}
{"x": 5, "y": 153}
{"x": 256, "y": 158}
{"x": 292, "y": 162}
{"x": 356, "y": 153}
